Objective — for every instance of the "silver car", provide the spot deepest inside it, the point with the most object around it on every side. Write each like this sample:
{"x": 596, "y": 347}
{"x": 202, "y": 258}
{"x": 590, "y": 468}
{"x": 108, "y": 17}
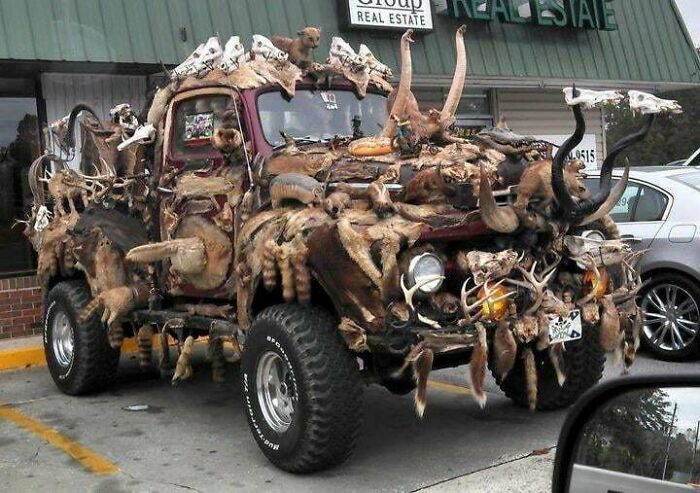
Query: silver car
{"x": 660, "y": 211}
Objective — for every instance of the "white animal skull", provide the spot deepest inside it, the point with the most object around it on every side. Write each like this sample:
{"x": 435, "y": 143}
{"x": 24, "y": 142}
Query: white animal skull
{"x": 587, "y": 251}
{"x": 591, "y": 99}
{"x": 263, "y": 46}
{"x": 648, "y": 104}
{"x": 145, "y": 134}
{"x": 341, "y": 53}
{"x": 234, "y": 55}
{"x": 374, "y": 64}
{"x": 43, "y": 217}
{"x": 201, "y": 61}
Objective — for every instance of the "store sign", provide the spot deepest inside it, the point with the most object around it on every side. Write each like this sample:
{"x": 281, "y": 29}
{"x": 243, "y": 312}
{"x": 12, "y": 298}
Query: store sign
{"x": 579, "y": 14}
{"x": 586, "y": 151}
{"x": 389, "y": 14}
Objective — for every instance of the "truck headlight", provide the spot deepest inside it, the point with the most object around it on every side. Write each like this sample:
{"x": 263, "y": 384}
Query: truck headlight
{"x": 424, "y": 267}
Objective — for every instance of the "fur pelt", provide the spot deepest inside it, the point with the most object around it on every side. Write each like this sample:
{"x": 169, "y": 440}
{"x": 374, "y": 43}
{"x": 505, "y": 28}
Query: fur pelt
{"x": 478, "y": 366}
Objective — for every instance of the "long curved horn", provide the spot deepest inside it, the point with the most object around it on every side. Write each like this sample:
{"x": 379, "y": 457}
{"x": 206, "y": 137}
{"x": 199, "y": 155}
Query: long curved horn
{"x": 450, "y": 107}
{"x": 566, "y": 202}
{"x": 501, "y": 219}
{"x": 609, "y": 163}
{"x": 613, "y": 198}
{"x": 69, "y": 139}
{"x": 404, "y": 91}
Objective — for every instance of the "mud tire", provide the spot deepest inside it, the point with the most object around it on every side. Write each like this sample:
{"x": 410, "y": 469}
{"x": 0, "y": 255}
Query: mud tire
{"x": 93, "y": 366}
{"x": 584, "y": 363}
{"x": 325, "y": 379}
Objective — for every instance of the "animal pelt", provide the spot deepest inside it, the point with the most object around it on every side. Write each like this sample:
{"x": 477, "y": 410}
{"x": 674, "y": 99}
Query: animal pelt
{"x": 160, "y": 104}
{"x": 101, "y": 260}
{"x": 556, "y": 356}
{"x": 354, "y": 335}
{"x": 505, "y": 349}
{"x": 227, "y": 137}
{"x": 428, "y": 186}
{"x": 485, "y": 266}
{"x": 285, "y": 73}
{"x": 215, "y": 352}
{"x": 183, "y": 367}
{"x": 269, "y": 270}
{"x": 51, "y": 246}
{"x": 526, "y": 328}
{"x": 115, "y": 304}
{"x": 536, "y": 182}
{"x": 446, "y": 303}
{"x": 295, "y": 187}
{"x": 379, "y": 197}
{"x": 299, "y": 48}
{"x": 206, "y": 310}
{"x": 420, "y": 358}
{"x": 478, "y": 365}
{"x": 530, "y": 377}
{"x": 590, "y": 313}
{"x": 337, "y": 202}
{"x": 437, "y": 216}
{"x": 144, "y": 338}
{"x": 609, "y": 324}
{"x": 302, "y": 276}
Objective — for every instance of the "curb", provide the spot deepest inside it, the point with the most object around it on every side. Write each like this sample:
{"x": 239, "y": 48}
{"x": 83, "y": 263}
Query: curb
{"x": 28, "y": 357}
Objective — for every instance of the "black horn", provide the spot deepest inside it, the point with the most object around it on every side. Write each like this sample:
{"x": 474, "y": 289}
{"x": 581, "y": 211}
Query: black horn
{"x": 69, "y": 138}
{"x": 567, "y": 204}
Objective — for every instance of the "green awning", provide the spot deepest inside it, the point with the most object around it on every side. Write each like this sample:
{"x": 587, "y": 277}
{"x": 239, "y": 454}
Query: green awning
{"x": 651, "y": 45}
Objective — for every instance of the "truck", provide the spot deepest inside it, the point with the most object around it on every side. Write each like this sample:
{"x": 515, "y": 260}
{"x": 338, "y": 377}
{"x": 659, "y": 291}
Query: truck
{"x": 311, "y": 217}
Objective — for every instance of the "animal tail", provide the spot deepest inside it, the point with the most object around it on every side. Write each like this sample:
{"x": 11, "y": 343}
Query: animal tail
{"x": 90, "y": 309}
{"x": 422, "y": 366}
{"x": 530, "y": 377}
{"x": 477, "y": 367}
{"x": 145, "y": 342}
{"x": 556, "y": 356}
{"x": 218, "y": 362}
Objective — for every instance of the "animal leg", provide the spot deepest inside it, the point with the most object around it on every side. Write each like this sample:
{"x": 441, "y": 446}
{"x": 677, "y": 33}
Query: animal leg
{"x": 477, "y": 366}
{"x": 183, "y": 368}
{"x": 218, "y": 362}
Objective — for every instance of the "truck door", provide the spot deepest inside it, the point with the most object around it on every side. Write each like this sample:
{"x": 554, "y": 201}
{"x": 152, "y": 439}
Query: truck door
{"x": 201, "y": 190}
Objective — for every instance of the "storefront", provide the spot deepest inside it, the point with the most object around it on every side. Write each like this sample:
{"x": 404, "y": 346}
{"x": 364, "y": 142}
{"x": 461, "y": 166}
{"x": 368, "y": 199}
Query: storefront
{"x": 521, "y": 53}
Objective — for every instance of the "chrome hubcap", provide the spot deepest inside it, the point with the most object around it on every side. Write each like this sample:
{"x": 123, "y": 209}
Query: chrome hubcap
{"x": 672, "y": 317}
{"x": 276, "y": 391}
{"x": 62, "y": 340}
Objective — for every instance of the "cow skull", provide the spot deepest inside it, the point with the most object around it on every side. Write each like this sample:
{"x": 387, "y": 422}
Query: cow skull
{"x": 201, "y": 61}
{"x": 648, "y": 104}
{"x": 589, "y": 252}
{"x": 341, "y": 53}
{"x": 263, "y": 47}
{"x": 234, "y": 55}
{"x": 373, "y": 64}
{"x": 145, "y": 134}
{"x": 589, "y": 99}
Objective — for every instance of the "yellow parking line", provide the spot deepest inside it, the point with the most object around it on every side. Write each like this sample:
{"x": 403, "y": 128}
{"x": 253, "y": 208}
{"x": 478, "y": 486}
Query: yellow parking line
{"x": 91, "y": 460}
{"x": 449, "y": 387}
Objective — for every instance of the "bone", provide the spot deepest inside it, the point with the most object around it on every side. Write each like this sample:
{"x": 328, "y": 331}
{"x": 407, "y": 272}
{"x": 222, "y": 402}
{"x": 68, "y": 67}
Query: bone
{"x": 648, "y": 104}
{"x": 263, "y": 48}
{"x": 589, "y": 99}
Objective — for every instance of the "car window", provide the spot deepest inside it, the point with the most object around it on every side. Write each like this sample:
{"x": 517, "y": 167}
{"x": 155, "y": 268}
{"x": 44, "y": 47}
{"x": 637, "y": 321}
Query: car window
{"x": 639, "y": 203}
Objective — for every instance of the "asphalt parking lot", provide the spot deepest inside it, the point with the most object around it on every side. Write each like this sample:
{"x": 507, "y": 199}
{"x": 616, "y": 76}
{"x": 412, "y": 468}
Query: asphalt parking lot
{"x": 195, "y": 437}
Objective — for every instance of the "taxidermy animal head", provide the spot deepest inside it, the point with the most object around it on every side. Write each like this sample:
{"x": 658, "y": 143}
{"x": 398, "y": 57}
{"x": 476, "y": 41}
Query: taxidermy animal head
{"x": 648, "y": 104}
{"x": 264, "y": 48}
{"x": 309, "y": 37}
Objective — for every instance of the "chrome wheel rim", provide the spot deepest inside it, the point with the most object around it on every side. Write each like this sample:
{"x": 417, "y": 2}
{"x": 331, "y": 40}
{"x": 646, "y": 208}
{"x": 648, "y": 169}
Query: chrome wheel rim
{"x": 672, "y": 317}
{"x": 276, "y": 391}
{"x": 62, "y": 339}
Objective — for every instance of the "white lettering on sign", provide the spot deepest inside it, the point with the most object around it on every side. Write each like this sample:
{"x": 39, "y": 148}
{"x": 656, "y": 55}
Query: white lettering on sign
{"x": 391, "y": 14}
{"x": 586, "y": 151}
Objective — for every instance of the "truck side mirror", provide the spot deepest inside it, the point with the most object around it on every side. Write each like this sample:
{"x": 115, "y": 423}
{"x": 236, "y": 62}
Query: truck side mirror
{"x": 634, "y": 434}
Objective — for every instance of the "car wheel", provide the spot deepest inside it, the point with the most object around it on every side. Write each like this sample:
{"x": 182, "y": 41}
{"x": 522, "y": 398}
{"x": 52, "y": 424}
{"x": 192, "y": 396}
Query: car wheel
{"x": 302, "y": 389}
{"x": 79, "y": 356}
{"x": 671, "y": 317}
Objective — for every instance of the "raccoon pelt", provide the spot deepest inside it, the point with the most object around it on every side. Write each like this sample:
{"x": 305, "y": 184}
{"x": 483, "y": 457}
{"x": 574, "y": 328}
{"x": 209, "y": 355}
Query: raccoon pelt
{"x": 145, "y": 343}
{"x": 302, "y": 277}
{"x": 478, "y": 365}
{"x": 269, "y": 270}
{"x": 284, "y": 262}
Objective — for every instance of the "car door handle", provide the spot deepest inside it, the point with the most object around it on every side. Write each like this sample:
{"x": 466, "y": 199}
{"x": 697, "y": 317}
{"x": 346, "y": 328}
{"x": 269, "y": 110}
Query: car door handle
{"x": 631, "y": 238}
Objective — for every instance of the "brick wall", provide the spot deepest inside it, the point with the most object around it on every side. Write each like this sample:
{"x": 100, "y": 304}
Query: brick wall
{"x": 20, "y": 307}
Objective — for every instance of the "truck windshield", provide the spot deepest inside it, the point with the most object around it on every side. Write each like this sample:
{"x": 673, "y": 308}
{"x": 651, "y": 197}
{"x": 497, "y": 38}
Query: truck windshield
{"x": 319, "y": 114}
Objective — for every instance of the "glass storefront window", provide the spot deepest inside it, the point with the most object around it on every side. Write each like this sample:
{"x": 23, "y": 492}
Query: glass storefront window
{"x": 19, "y": 146}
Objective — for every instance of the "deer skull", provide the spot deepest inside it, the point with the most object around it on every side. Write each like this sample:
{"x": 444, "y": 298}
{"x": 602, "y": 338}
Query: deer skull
{"x": 648, "y": 104}
{"x": 591, "y": 99}
{"x": 263, "y": 47}
{"x": 584, "y": 251}
{"x": 201, "y": 61}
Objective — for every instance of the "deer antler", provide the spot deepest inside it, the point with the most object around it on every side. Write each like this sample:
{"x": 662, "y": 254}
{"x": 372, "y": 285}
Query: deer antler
{"x": 534, "y": 283}
{"x": 408, "y": 296}
{"x": 467, "y": 308}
